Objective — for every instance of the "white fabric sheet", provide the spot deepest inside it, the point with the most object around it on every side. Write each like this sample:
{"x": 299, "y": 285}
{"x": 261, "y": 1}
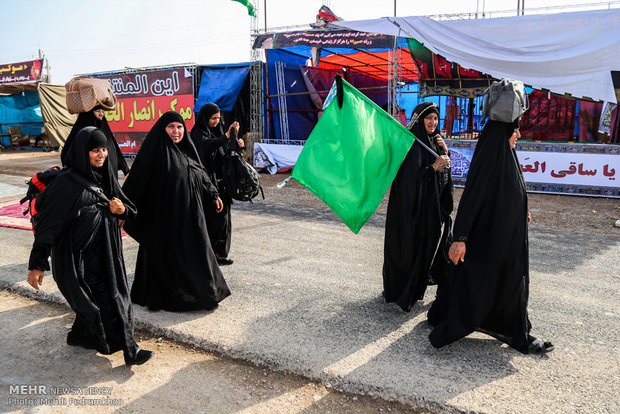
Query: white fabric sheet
{"x": 564, "y": 53}
{"x": 275, "y": 156}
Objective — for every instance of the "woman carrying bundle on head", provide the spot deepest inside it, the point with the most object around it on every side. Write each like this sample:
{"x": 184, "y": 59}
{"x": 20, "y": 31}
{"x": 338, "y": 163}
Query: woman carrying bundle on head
{"x": 489, "y": 285}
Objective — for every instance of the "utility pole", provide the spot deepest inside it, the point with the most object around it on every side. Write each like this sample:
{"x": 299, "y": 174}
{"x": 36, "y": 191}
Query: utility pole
{"x": 47, "y": 67}
{"x": 394, "y": 8}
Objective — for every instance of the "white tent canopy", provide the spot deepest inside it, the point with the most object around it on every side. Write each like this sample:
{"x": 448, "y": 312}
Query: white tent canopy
{"x": 565, "y": 53}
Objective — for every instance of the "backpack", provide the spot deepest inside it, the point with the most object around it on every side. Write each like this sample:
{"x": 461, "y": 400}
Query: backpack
{"x": 505, "y": 101}
{"x": 40, "y": 181}
{"x": 239, "y": 179}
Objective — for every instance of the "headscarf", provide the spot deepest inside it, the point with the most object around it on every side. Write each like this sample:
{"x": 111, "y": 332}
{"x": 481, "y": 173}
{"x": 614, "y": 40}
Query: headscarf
{"x": 158, "y": 135}
{"x": 88, "y": 119}
{"x": 421, "y": 111}
{"x": 78, "y": 157}
{"x": 97, "y": 139}
{"x": 202, "y": 121}
{"x": 416, "y": 125}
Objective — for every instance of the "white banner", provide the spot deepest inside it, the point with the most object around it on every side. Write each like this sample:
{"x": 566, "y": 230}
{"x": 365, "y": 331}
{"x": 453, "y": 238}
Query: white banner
{"x": 600, "y": 170}
{"x": 560, "y": 168}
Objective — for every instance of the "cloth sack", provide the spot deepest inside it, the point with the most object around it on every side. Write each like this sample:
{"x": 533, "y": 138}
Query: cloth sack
{"x": 83, "y": 94}
{"x": 505, "y": 101}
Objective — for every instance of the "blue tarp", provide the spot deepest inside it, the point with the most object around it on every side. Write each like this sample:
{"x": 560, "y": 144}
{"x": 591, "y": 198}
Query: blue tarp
{"x": 21, "y": 110}
{"x": 221, "y": 84}
{"x": 300, "y": 112}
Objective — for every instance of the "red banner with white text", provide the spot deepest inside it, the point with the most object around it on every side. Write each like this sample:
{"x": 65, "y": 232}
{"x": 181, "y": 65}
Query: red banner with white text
{"x": 143, "y": 97}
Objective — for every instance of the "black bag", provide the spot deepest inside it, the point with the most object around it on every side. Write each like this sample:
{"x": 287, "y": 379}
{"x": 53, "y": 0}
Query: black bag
{"x": 41, "y": 180}
{"x": 239, "y": 179}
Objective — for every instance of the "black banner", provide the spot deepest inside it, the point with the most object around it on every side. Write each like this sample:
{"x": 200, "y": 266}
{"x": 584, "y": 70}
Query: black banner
{"x": 324, "y": 38}
{"x": 29, "y": 71}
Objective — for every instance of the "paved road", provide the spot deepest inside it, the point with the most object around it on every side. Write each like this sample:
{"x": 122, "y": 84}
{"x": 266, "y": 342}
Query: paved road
{"x": 306, "y": 298}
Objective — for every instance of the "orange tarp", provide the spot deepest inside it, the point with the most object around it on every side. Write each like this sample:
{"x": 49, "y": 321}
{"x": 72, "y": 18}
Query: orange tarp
{"x": 375, "y": 64}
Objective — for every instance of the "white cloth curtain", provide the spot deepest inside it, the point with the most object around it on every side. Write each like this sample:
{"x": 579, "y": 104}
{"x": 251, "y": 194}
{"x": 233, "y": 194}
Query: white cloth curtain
{"x": 565, "y": 53}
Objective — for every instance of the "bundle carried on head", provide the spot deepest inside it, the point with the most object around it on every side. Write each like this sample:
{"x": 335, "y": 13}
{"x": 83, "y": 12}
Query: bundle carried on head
{"x": 505, "y": 101}
{"x": 84, "y": 94}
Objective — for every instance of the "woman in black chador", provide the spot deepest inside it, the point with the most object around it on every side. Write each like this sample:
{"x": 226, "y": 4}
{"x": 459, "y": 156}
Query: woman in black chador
{"x": 488, "y": 288}
{"x": 418, "y": 224}
{"x": 81, "y": 229}
{"x": 213, "y": 145}
{"x": 176, "y": 269}
{"x": 96, "y": 118}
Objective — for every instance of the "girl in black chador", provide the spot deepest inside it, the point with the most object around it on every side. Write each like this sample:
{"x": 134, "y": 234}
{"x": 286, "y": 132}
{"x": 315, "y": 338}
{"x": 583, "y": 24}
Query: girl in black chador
{"x": 176, "y": 269}
{"x": 418, "y": 224}
{"x": 212, "y": 145}
{"x": 78, "y": 222}
{"x": 489, "y": 287}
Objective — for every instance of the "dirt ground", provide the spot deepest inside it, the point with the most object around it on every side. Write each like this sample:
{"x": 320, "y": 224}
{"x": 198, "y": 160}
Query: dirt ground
{"x": 182, "y": 378}
{"x": 178, "y": 379}
{"x": 592, "y": 215}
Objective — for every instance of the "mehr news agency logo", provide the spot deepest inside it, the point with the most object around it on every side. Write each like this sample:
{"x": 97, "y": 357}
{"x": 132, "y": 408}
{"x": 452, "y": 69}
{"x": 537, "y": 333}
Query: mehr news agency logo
{"x": 39, "y": 394}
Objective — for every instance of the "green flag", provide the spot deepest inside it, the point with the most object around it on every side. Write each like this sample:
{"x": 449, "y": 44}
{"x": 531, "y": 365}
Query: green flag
{"x": 352, "y": 155}
{"x": 249, "y": 5}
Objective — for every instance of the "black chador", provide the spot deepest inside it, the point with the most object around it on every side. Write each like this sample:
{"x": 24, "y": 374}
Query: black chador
{"x": 213, "y": 145}
{"x": 88, "y": 119}
{"x": 488, "y": 291}
{"x": 418, "y": 223}
{"x": 85, "y": 242}
{"x": 176, "y": 269}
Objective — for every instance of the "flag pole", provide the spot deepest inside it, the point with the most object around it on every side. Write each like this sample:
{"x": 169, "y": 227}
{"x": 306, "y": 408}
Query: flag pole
{"x": 426, "y": 147}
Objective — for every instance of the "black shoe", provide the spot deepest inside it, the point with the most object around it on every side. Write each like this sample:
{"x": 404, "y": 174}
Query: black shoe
{"x": 538, "y": 346}
{"x": 141, "y": 357}
{"x": 75, "y": 340}
{"x": 224, "y": 261}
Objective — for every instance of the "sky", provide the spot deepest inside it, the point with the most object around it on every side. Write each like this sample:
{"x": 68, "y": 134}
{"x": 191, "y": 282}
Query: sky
{"x": 86, "y": 36}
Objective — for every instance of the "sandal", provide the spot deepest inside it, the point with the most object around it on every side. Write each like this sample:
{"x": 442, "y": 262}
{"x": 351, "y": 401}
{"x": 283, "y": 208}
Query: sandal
{"x": 538, "y": 346}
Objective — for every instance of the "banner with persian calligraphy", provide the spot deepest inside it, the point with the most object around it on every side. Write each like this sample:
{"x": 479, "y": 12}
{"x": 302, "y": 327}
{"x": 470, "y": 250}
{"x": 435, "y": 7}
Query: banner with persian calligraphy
{"x": 29, "y": 71}
{"x": 143, "y": 97}
{"x": 575, "y": 169}
{"x": 324, "y": 38}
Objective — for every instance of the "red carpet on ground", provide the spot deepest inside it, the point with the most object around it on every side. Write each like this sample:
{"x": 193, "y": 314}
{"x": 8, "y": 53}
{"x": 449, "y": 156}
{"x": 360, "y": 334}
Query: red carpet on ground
{"x": 12, "y": 215}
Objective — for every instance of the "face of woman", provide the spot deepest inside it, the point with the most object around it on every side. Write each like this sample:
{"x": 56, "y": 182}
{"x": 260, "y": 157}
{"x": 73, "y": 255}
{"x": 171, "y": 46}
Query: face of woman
{"x": 514, "y": 137}
{"x": 98, "y": 113}
{"x": 430, "y": 122}
{"x": 175, "y": 131}
{"x": 97, "y": 156}
{"x": 214, "y": 120}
